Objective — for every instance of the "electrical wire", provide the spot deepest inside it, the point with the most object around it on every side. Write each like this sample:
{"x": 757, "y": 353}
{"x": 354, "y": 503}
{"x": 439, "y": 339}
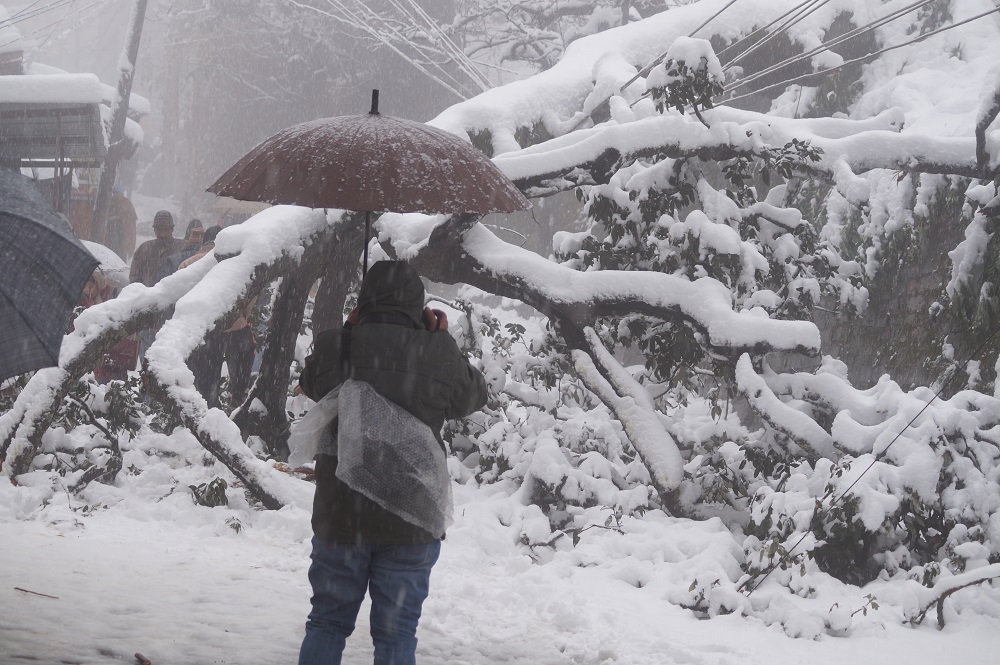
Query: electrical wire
{"x": 658, "y": 59}
{"x": 878, "y": 457}
{"x": 27, "y": 13}
{"x": 452, "y": 51}
{"x": 766, "y": 27}
{"x": 382, "y": 37}
{"x": 780, "y": 31}
{"x": 458, "y": 53}
{"x": 53, "y": 24}
{"x": 82, "y": 17}
{"x": 826, "y": 46}
{"x": 21, "y": 11}
{"x": 860, "y": 59}
{"x": 356, "y": 21}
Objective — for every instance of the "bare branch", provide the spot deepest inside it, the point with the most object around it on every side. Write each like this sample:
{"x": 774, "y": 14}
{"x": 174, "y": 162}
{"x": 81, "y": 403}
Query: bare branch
{"x": 944, "y": 588}
{"x": 634, "y": 408}
{"x": 479, "y": 258}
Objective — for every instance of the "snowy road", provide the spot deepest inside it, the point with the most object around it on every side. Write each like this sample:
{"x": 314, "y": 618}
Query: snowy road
{"x": 192, "y": 591}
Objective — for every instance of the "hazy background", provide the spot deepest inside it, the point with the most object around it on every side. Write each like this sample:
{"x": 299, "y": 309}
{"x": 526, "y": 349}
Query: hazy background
{"x": 222, "y": 75}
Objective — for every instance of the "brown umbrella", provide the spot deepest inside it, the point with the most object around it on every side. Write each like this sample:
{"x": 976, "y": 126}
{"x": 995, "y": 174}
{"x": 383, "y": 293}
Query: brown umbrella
{"x": 371, "y": 163}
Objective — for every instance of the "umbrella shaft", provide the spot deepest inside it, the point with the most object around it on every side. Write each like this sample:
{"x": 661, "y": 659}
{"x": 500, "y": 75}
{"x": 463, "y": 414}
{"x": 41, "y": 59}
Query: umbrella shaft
{"x": 368, "y": 230}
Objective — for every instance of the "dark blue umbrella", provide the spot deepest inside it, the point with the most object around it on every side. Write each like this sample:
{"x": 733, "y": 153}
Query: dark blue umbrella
{"x": 43, "y": 269}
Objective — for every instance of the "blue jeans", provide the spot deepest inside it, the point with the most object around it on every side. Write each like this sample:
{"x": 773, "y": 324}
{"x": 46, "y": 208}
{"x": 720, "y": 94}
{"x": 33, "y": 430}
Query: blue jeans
{"x": 396, "y": 576}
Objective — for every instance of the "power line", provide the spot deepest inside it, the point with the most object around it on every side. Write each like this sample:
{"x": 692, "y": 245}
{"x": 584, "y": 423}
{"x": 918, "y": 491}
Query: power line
{"x": 878, "y": 457}
{"x": 825, "y": 46}
{"x": 806, "y": 11}
{"x": 23, "y": 10}
{"x": 348, "y": 17}
{"x": 658, "y": 59}
{"x": 450, "y": 45}
{"x": 55, "y": 24}
{"x": 40, "y": 11}
{"x": 401, "y": 39}
{"x": 76, "y": 23}
{"x": 26, "y": 15}
{"x": 765, "y": 28}
{"x": 860, "y": 59}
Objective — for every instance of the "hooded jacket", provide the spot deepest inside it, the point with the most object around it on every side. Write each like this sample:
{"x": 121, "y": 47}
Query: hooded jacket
{"x": 424, "y": 372}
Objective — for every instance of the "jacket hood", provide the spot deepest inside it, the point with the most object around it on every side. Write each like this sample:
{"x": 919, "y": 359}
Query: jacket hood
{"x": 392, "y": 286}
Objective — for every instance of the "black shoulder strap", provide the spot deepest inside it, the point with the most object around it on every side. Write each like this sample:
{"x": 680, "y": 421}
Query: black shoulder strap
{"x": 345, "y": 354}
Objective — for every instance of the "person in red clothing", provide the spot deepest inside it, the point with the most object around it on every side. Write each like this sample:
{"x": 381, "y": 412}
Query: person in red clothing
{"x": 116, "y": 363}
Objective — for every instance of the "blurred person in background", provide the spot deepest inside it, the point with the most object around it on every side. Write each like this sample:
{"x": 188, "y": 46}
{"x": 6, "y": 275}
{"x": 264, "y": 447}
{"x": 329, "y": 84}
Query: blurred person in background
{"x": 235, "y": 346}
{"x": 148, "y": 260}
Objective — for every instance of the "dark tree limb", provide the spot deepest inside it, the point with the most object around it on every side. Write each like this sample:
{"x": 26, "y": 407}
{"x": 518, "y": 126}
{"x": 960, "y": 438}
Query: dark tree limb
{"x": 333, "y": 260}
{"x": 227, "y": 444}
{"x": 950, "y": 586}
{"x": 454, "y": 255}
{"x": 109, "y": 472}
{"x": 448, "y": 258}
{"x": 989, "y": 112}
{"x": 598, "y": 153}
{"x": 340, "y": 269}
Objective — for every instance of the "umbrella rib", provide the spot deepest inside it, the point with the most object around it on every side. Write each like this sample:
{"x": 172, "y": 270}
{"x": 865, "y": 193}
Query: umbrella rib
{"x": 352, "y": 150}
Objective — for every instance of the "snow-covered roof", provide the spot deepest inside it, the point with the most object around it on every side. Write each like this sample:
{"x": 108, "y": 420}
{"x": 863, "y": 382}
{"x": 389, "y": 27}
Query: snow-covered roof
{"x": 137, "y": 104}
{"x": 55, "y": 89}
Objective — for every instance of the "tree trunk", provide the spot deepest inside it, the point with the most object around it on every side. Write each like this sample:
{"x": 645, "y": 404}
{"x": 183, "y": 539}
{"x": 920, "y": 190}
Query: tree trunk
{"x": 334, "y": 261}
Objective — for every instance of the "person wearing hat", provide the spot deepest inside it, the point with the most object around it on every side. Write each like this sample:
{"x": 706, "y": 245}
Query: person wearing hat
{"x": 194, "y": 235}
{"x": 149, "y": 258}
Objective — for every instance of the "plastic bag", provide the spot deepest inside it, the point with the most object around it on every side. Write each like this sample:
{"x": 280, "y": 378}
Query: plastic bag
{"x": 314, "y": 433}
{"x": 393, "y": 458}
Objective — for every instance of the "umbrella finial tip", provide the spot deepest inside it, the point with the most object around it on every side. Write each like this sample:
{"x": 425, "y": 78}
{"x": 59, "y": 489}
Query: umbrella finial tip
{"x": 374, "y": 110}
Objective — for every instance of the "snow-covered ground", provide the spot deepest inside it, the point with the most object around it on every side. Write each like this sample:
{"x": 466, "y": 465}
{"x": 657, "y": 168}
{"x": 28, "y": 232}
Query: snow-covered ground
{"x": 139, "y": 568}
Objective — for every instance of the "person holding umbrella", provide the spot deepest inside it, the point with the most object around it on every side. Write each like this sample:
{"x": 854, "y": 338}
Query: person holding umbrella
{"x": 403, "y": 351}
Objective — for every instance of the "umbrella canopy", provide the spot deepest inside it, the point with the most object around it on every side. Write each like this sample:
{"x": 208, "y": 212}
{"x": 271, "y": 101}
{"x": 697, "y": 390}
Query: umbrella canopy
{"x": 371, "y": 163}
{"x": 114, "y": 269}
{"x": 45, "y": 268}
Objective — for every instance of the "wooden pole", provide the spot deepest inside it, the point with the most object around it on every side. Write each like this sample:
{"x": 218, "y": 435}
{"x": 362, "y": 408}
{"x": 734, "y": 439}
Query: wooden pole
{"x": 119, "y": 113}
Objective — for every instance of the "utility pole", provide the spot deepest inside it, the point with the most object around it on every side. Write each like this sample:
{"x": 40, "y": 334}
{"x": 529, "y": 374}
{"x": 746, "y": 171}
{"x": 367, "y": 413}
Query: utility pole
{"x": 119, "y": 113}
